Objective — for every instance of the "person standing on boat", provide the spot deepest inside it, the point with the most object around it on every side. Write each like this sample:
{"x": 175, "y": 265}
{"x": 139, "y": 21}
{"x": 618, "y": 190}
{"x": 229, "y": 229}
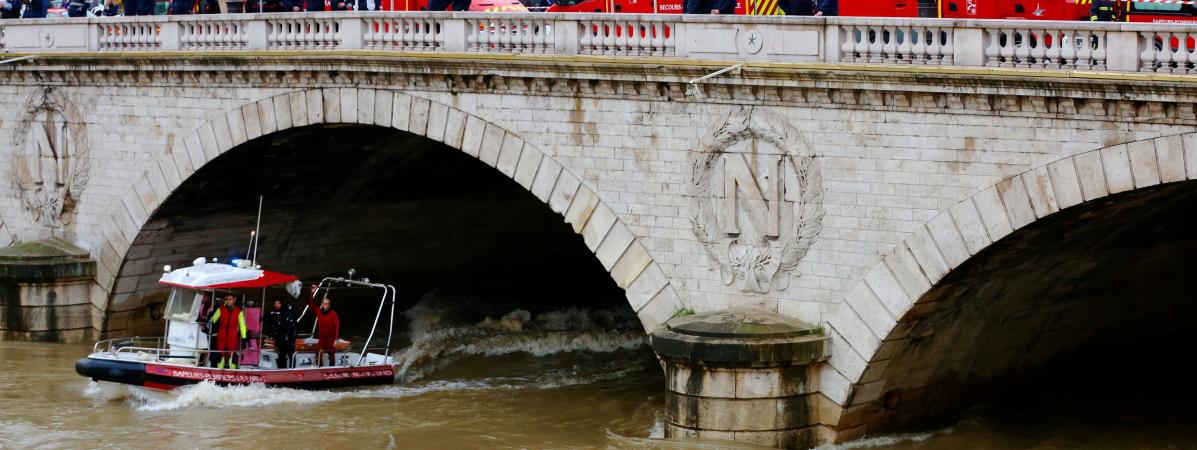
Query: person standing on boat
{"x": 229, "y": 320}
{"x": 280, "y": 321}
{"x": 328, "y": 328}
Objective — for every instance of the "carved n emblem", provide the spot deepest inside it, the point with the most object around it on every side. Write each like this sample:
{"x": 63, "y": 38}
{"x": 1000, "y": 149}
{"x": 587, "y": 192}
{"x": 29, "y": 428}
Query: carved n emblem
{"x": 757, "y": 199}
{"x": 50, "y": 164}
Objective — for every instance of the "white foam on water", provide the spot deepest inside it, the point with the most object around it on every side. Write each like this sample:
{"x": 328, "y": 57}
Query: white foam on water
{"x": 882, "y": 441}
{"x": 209, "y": 395}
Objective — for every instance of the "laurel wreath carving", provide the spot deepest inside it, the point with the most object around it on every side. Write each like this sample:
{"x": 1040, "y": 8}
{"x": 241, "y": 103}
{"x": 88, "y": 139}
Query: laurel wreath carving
{"x": 53, "y": 205}
{"x": 759, "y": 261}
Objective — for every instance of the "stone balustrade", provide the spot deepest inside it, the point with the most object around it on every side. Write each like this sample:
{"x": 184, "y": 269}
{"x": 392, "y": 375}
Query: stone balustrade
{"x": 1166, "y": 48}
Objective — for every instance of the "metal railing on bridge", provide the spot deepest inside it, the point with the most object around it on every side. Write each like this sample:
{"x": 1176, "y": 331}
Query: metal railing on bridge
{"x": 1167, "y": 48}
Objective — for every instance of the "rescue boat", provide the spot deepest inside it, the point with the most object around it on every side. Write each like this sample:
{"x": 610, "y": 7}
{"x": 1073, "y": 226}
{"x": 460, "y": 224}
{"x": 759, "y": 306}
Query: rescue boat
{"x": 184, "y": 356}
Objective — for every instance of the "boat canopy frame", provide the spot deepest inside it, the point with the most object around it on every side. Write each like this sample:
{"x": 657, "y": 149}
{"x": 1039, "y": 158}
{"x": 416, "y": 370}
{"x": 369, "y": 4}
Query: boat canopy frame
{"x": 389, "y": 293}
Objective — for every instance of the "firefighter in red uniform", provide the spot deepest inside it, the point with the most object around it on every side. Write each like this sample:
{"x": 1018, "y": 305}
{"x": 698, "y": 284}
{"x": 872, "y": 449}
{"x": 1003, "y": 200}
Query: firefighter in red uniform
{"x": 229, "y": 321}
{"x": 328, "y": 328}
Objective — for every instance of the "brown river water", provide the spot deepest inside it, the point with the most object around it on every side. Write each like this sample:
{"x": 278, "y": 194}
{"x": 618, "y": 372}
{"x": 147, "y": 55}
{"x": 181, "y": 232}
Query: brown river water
{"x": 520, "y": 381}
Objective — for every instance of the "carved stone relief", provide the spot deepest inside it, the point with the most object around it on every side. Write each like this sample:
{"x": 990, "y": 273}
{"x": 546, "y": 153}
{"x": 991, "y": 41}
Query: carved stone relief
{"x": 756, "y": 199}
{"x": 50, "y": 164}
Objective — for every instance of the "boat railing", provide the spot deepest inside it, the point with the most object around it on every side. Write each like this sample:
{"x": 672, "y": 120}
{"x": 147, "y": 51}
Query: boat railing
{"x": 114, "y": 344}
{"x": 169, "y": 352}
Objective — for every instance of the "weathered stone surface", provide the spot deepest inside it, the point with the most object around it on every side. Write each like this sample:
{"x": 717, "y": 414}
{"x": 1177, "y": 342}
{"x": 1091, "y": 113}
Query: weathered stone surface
{"x": 45, "y": 290}
{"x": 1117, "y": 167}
{"x": 743, "y": 370}
{"x": 1065, "y": 182}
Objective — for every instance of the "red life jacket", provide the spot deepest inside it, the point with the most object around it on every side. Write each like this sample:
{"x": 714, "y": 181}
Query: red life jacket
{"x": 228, "y": 333}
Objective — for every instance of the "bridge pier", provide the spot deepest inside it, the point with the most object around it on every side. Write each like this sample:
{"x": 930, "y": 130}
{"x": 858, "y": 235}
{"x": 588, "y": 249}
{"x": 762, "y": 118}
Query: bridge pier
{"x": 744, "y": 374}
{"x": 45, "y": 292}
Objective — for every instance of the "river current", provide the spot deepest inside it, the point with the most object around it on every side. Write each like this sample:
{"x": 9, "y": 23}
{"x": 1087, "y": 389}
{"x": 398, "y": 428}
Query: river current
{"x": 573, "y": 378}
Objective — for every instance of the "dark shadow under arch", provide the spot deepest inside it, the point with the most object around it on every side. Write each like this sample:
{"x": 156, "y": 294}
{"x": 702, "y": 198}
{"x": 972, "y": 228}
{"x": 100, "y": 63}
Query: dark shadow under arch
{"x": 392, "y": 205}
{"x": 1055, "y": 307}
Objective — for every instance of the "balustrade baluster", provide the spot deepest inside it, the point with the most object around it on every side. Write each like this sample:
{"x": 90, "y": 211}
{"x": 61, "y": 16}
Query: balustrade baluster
{"x": 1099, "y": 52}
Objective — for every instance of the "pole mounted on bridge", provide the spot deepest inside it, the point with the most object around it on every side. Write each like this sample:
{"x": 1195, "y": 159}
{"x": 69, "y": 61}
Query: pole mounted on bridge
{"x": 18, "y": 59}
{"x": 692, "y": 86}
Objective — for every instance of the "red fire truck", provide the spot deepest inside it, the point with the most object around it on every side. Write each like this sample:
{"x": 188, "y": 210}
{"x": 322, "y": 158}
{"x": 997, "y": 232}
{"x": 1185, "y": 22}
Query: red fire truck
{"x": 475, "y": 5}
{"x": 1179, "y": 12}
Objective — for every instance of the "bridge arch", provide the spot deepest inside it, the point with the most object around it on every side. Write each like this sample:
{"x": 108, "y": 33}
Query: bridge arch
{"x": 627, "y": 261}
{"x": 891, "y": 312}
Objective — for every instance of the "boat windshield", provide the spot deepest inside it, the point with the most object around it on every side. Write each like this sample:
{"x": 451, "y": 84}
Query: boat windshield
{"x": 184, "y": 304}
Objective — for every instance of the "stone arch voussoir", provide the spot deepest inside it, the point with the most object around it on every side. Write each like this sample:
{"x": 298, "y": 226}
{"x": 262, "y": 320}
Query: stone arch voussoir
{"x": 629, "y": 263}
{"x": 891, "y": 288}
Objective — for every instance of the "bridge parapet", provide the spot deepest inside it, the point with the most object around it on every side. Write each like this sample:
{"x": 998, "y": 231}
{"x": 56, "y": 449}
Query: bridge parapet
{"x": 1066, "y": 46}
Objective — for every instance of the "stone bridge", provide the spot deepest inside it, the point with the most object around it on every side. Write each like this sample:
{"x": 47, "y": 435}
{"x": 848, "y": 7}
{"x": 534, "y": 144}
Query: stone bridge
{"x": 957, "y": 204}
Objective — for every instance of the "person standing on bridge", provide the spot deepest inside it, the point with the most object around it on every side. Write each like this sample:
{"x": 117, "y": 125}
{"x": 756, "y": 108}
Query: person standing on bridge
{"x": 328, "y": 328}
{"x": 710, "y": 6}
{"x": 36, "y": 9}
{"x": 827, "y": 8}
{"x": 797, "y": 7}
{"x": 139, "y": 7}
{"x": 229, "y": 320}
{"x": 181, "y": 7}
{"x": 10, "y": 9}
{"x": 1103, "y": 11}
{"x": 440, "y": 5}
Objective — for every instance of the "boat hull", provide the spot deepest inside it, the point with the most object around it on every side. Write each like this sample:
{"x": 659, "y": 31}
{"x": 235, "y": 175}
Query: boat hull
{"x": 170, "y": 376}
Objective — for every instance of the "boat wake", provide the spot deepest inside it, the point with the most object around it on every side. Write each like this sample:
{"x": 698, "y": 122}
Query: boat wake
{"x": 445, "y": 332}
{"x": 210, "y": 395}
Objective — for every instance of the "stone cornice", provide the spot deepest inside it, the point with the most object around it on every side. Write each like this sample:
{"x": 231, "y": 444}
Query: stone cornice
{"x": 1142, "y": 97}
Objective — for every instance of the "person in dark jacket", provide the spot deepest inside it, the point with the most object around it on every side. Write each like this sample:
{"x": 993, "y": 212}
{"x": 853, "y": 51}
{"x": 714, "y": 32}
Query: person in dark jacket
{"x": 36, "y": 9}
{"x": 139, "y": 7}
{"x": 440, "y": 5}
{"x": 181, "y": 7}
{"x": 328, "y": 328}
{"x": 10, "y": 9}
{"x": 710, "y": 7}
{"x": 280, "y": 324}
{"x": 76, "y": 8}
{"x": 1102, "y": 11}
{"x": 292, "y": 5}
{"x": 827, "y": 7}
{"x": 797, "y": 7}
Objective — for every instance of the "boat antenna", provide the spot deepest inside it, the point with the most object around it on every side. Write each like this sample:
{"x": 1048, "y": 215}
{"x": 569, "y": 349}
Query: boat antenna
{"x": 249, "y": 250}
{"x": 255, "y": 236}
